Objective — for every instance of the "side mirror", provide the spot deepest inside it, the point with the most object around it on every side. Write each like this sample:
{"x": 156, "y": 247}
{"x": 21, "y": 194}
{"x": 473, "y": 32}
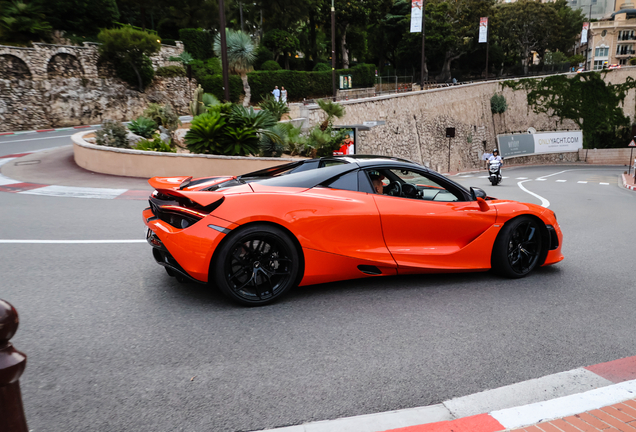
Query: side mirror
{"x": 477, "y": 193}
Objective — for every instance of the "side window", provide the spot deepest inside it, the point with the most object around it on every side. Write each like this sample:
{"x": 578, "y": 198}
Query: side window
{"x": 414, "y": 185}
{"x": 348, "y": 181}
{"x": 330, "y": 162}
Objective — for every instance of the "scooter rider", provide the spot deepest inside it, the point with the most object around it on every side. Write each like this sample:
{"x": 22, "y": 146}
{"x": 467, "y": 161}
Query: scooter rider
{"x": 495, "y": 156}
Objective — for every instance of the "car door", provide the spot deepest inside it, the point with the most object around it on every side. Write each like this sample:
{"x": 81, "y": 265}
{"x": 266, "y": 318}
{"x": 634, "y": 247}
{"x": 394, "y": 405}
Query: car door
{"x": 429, "y": 223}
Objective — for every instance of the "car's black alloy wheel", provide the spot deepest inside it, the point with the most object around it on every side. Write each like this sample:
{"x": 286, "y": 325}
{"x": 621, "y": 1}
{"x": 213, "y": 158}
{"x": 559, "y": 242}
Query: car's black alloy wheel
{"x": 518, "y": 247}
{"x": 256, "y": 265}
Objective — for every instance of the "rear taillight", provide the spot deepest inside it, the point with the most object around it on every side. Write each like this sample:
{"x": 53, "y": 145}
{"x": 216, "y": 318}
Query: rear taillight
{"x": 178, "y": 211}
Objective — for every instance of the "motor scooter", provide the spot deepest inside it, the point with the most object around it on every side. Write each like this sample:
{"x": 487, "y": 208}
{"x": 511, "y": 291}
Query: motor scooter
{"x": 494, "y": 170}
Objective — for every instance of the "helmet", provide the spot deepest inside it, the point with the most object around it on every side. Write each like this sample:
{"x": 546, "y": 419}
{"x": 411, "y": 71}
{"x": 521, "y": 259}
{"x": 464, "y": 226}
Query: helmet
{"x": 495, "y": 151}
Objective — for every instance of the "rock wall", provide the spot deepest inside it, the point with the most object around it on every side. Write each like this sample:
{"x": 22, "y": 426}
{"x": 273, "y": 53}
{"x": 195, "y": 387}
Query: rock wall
{"x": 416, "y": 123}
{"x": 58, "y": 85}
{"x": 60, "y": 102}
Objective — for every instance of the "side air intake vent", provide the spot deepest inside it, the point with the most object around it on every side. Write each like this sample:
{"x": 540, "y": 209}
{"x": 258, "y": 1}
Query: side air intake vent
{"x": 369, "y": 269}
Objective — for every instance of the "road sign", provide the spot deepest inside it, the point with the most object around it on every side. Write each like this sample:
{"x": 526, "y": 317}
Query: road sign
{"x": 632, "y": 144}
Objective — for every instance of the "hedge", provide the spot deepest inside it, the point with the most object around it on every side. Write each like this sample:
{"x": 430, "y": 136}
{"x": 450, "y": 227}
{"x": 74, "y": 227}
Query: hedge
{"x": 214, "y": 84}
{"x": 301, "y": 84}
{"x": 197, "y": 42}
{"x": 170, "y": 71}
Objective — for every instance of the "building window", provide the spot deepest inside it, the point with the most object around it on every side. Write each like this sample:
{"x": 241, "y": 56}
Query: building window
{"x": 624, "y": 49}
{"x": 601, "y": 51}
{"x": 624, "y": 35}
{"x": 598, "y": 64}
{"x": 603, "y": 33}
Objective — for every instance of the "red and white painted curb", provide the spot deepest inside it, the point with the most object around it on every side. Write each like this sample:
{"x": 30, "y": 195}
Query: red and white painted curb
{"x": 626, "y": 183}
{"x": 510, "y": 407}
{"x": 16, "y": 186}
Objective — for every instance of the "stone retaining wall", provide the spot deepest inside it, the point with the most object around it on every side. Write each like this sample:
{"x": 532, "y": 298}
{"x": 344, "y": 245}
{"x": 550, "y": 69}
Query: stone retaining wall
{"x": 45, "y": 61}
{"x": 60, "y": 102}
{"x": 416, "y": 122}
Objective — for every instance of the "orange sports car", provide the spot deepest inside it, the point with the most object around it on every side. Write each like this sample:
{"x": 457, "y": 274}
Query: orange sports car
{"x": 258, "y": 235}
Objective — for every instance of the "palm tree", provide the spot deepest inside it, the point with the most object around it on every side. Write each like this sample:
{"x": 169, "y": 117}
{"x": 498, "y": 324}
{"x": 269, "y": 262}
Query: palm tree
{"x": 332, "y": 110}
{"x": 241, "y": 53}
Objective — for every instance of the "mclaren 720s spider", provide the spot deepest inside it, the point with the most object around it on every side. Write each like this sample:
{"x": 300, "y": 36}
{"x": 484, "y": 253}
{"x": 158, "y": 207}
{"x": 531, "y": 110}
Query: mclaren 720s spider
{"x": 258, "y": 235}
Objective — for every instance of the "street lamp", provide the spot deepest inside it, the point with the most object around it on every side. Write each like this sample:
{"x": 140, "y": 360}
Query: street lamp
{"x": 224, "y": 62}
{"x": 333, "y": 49}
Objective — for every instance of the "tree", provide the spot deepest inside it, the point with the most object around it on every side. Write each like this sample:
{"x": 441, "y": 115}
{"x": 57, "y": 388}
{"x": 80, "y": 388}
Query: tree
{"x": 22, "y": 22}
{"x": 528, "y": 25}
{"x": 130, "y": 46}
{"x": 281, "y": 42}
{"x": 567, "y": 28}
{"x": 84, "y": 17}
{"x": 453, "y": 27}
{"x": 241, "y": 53}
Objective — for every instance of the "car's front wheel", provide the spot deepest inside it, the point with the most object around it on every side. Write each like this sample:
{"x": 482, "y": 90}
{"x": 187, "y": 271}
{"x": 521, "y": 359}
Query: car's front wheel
{"x": 256, "y": 264}
{"x": 517, "y": 249}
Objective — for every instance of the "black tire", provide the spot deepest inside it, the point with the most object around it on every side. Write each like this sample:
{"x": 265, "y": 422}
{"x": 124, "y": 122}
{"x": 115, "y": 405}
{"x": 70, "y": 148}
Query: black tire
{"x": 256, "y": 265}
{"x": 518, "y": 248}
{"x": 494, "y": 181}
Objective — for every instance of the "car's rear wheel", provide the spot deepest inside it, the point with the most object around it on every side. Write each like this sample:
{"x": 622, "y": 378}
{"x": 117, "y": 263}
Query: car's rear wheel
{"x": 257, "y": 264}
{"x": 517, "y": 250}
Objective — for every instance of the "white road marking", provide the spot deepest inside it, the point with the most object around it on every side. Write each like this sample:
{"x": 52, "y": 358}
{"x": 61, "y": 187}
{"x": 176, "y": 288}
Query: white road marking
{"x": 544, "y": 202}
{"x": 521, "y": 178}
{"x": 466, "y": 176}
{"x": 540, "y": 179}
{"x": 76, "y": 192}
{"x": 604, "y": 183}
{"x": 70, "y": 241}
{"x": 483, "y": 176}
{"x": 35, "y": 139}
{"x": 581, "y": 182}
{"x": 561, "y": 181}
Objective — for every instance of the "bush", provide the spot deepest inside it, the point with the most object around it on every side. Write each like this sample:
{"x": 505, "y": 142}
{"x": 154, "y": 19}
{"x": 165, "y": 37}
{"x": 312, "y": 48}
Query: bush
{"x": 270, "y": 65}
{"x": 214, "y": 84}
{"x": 197, "y": 42}
{"x": 156, "y": 144}
{"x": 143, "y": 127}
{"x": 262, "y": 55}
{"x": 162, "y": 115}
{"x": 201, "y": 68}
{"x": 301, "y": 84}
{"x": 112, "y": 134}
{"x": 170, "y": 71}
{"x": 126, "y": 72}
{"x": 206, "y": 134}
{"x": 321, "y": 67}
{"x": 498, "y": 104}
{"x": 274, "y": 107}
{"x": 271, "y": 147}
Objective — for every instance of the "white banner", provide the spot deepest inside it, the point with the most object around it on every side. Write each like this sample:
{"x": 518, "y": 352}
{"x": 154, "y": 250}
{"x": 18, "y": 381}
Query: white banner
{"x": 483, "y": 29}
{"x": 584, "y": 33}
{"x": 416, "y": 16}
{"x": 558, "y": 142}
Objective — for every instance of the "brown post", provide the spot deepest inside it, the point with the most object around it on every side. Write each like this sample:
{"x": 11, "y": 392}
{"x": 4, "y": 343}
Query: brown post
{"x": 12, "y": 364}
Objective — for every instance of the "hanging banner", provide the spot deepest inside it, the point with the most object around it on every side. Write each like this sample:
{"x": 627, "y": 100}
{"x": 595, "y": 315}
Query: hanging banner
{"x": 483, "y": 29}
{"x": 586, "y": 26}
{"x": 416, "y": 16}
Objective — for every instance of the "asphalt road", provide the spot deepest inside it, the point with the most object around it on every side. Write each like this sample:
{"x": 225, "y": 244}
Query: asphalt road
{"x": 114, "y": 344}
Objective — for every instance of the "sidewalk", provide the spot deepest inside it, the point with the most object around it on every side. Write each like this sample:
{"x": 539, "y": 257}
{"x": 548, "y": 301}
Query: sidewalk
{"x": 601, "y": 397}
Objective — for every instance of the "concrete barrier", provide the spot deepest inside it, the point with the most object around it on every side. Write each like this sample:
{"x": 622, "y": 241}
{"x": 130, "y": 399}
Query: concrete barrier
{"x": 612, "y": 156}
{"x": 146, "y": 164}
